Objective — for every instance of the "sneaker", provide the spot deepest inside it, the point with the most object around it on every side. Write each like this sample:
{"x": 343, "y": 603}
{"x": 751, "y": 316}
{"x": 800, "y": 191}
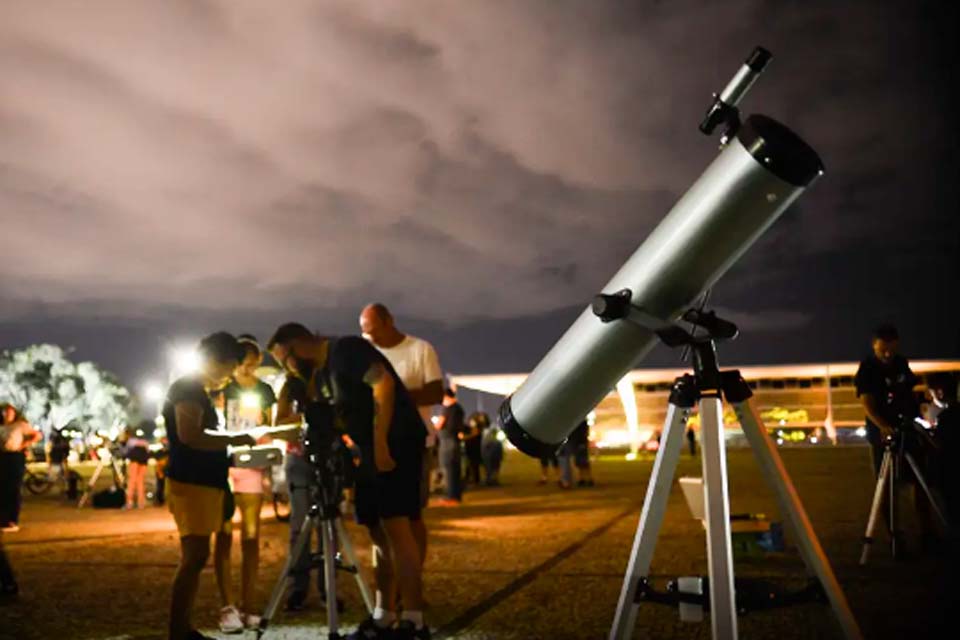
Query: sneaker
{"x": 230, "y": 620}
{"x": 296, "y": 600}
{"x": 251, "y": 621}
{"x": 370, "y": 630}
{"x": 10, "y": 527}
{"x": 406, "y": 630}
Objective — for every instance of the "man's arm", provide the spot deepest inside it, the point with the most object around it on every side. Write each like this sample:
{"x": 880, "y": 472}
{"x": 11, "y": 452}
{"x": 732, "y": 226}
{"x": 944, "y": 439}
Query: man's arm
{"x": 190, "y": 430}
{"x": 384, "y": 391}
{"x": 872, "y": 408}
{"x": 429, "y": 395}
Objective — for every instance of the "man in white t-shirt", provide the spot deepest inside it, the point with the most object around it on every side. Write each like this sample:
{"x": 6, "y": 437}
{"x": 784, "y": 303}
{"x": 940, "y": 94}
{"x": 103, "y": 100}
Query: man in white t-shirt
{"x": 416, "y": 363}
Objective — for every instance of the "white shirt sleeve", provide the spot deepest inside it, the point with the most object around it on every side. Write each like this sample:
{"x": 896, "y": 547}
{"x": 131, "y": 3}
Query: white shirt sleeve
{"x": 430, "y": 364}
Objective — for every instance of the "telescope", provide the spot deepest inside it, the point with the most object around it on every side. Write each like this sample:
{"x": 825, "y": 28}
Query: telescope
{"x": 762, "y": 169}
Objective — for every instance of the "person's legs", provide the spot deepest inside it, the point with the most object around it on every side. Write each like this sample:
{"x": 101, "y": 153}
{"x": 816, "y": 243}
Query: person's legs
{"x": 383, "y": 575}
{"x": 406, "y": 562}
{"x": 250, "y": 505}
{"x": 142, "y": 486}
{"x": 566, "y": 467}
{"x": 19, "y": 468}
{"x": 451, "y": 469}
{"x": 221, "y": 564}
{"x": 194, "y": 551}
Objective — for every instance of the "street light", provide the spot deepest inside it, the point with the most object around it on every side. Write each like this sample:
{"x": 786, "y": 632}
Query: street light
{"x": 183, "y": 360}
{"x": 153, "y": 392}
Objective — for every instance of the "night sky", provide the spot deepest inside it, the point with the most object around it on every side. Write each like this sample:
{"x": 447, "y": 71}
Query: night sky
{"x": 172, "y": 168}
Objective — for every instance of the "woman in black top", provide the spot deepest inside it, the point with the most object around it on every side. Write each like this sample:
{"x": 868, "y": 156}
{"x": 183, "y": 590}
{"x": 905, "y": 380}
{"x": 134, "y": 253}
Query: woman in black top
{"x": 197, "y": 471}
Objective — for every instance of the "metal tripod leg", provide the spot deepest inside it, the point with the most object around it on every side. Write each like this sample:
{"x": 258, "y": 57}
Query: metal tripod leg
{"x": 775, "y": 473}
{"x": 934, "y": 502}
{"x": 352, "y": 559}
{"x": 303, "y": 540}
{"x": 882, "y": 478}
{"x": 91, "y": 484}
{"x": 651, "y": 517}
{"x": 330, "y": 576}
{"x": 723, "y": 606}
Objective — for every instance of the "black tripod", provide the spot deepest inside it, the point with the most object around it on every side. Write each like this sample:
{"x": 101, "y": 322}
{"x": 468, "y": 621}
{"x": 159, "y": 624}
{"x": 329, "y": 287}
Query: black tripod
{"x": 895, "y": 452}
{"x": 324, "y": 516}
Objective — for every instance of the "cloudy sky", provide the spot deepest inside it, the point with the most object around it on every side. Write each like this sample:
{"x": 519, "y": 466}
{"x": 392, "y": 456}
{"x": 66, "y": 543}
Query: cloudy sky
{"x": 171, "y": 168}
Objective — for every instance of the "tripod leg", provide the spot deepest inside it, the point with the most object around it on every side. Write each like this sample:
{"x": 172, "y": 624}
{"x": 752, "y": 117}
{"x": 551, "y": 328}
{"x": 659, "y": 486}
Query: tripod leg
{"x": 280, "y": 587}
{"x": 892, "y": 503}
{"x": 91, "y": 484}
{"x": 882, "y": 478}
{"x": 654, "y": 507}
{"x": 723, "y": 606}
{"x": 352, "y": 559}
{"x": 330, "y": 575}
{"x": 934, "y": 502}
{"x": 765, "y": 452}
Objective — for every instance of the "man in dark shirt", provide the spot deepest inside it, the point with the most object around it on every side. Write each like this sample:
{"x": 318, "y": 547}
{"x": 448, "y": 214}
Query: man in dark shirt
{"x": 884, "y": 385}
{"x": 382, "y": 420}
{"x": 449, "y": 431}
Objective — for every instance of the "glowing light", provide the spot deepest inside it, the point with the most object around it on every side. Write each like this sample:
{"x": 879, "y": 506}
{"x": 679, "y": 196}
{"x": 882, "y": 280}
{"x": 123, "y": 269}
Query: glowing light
{"x": 153, "y": 392}
{"x": 632, "y": 455}
{"x": 814, "y": 440}
{"x": 250, "y": 401}
{"x": 779, "y": 440}
{"x": 139, "y": 433}
{"x": 184, "y": 360}
{"x": 861, "y": 432}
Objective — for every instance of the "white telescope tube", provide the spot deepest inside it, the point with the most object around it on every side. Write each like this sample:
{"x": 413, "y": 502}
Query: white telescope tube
{"x": 763, "y": 169}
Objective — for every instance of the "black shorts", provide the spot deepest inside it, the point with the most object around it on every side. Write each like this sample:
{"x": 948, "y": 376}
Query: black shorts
{"x": 394, "y": 494}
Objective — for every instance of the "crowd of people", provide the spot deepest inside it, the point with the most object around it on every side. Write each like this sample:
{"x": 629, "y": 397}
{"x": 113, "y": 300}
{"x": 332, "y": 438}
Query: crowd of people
{"x": 408, "y": 436}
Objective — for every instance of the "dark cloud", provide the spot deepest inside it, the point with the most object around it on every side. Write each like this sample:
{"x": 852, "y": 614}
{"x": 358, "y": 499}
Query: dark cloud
{"x": 481, "y": 168}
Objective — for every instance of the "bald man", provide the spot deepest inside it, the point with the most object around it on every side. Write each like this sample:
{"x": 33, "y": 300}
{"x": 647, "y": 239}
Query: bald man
{"x": 416, "y": 363}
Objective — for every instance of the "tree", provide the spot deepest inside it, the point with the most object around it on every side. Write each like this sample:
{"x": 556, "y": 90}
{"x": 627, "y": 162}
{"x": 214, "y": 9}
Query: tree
{"x": 52, "y": 391}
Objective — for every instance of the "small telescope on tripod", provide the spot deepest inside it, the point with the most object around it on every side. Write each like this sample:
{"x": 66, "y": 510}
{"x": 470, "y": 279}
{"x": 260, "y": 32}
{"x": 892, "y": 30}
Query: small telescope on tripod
{"x": 762, "y": 169}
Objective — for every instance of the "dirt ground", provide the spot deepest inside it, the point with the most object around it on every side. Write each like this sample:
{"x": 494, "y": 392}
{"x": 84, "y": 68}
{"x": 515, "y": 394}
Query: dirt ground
{"x": 518, "y": 561}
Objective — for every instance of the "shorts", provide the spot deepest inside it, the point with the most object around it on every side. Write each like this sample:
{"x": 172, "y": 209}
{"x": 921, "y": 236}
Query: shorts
{"x": 197, "y": 509}
{"x": 249, "y": 505}
{"x": 394, "y": 494}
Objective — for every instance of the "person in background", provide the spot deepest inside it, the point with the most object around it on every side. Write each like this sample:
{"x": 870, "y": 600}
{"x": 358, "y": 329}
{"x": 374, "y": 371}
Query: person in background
{"x": 943, "y": 390}
{"x": 162, "y": 458}
{"x": 197, "y": 489}
{"x": 492, "y": 451}
{"x": 692, "y": 441}
{"x": 545, "y": 463}
{"x": 472, "y": 448}
{"x": 16, "y": 436}
{"x": 576, "y": 452}
{"x": 450, "y": 428}
{"x": 416, "y": 363}
{"x": 58, "y": 469}
{"x": 248, "y": 403}
{"x": 137, "y": 453}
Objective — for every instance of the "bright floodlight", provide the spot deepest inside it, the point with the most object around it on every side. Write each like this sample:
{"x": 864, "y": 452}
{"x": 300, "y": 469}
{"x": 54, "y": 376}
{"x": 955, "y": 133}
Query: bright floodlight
{"x": 153, "y": 392}
{"x": 184, "y": 360}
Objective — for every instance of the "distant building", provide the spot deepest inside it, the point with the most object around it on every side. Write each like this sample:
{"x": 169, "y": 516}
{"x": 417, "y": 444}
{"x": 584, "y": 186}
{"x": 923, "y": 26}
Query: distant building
{"x": 810, "y": 403}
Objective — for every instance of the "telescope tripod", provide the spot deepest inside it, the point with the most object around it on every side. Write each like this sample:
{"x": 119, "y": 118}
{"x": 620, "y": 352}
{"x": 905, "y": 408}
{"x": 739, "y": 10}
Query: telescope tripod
{"x": 325, "y": 518}
{"x": 894, "y": 454}
{"x": 707, "y": 388}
